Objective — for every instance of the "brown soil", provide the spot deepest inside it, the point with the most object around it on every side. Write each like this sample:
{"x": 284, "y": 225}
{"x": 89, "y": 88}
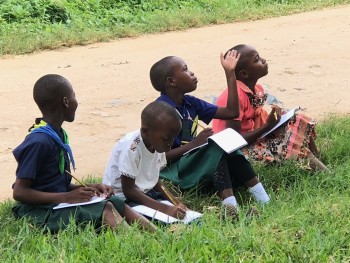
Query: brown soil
{"x": 308, "y": 60}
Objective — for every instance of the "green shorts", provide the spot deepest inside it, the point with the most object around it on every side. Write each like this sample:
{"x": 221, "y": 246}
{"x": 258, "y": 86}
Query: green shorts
{"x": 53, "y": 220}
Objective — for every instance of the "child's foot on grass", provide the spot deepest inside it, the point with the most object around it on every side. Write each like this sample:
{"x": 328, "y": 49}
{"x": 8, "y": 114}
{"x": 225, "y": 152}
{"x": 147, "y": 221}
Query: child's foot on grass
{"x": 315, "y": 164}
{"x": 253, "y": 212}
{"x": 230, "y": 212}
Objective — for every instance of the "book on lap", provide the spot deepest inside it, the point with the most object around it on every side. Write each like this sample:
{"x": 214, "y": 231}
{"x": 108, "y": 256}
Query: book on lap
{"x": 94, "y": 199}
{"x": 284, "y": 118}
{"x": 228, "y": 139}
{"x": 162, "y": 217}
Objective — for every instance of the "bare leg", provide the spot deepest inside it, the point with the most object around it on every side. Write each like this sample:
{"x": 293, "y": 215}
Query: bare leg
{"x": 133, "y": 217}
{"x": 315, "y": 163}
{"x": 313, "y": 148}
{"x": 225, "y": 193}
{"x": 111, "y": 217}
{"x": 251, "y": 182}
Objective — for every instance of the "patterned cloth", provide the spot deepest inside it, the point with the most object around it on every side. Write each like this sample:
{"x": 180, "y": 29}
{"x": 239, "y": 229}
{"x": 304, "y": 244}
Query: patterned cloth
{"x": 291, "y": 140}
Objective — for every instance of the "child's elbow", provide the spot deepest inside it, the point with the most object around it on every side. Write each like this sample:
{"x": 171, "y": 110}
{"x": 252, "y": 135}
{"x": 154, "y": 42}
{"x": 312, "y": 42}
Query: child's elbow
{"x": 17, "y": 196}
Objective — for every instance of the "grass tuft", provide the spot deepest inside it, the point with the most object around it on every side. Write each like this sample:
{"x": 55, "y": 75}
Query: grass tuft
{"x": 29, "y": 26}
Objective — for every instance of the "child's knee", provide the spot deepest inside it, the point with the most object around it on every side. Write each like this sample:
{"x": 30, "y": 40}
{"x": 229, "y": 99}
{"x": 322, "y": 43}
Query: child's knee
{"x": 109, "y": 207}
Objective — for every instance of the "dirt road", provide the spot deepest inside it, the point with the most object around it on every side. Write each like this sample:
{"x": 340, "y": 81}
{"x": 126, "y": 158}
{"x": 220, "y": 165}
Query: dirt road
{"x": 309, "y": 65}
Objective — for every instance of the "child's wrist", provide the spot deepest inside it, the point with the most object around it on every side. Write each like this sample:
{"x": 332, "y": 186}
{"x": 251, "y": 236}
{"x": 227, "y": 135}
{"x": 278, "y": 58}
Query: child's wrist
{"x": 231, "y": 76}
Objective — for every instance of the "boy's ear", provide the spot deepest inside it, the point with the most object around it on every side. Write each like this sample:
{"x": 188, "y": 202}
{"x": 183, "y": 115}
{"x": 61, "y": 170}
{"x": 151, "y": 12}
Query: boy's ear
{"x": 65, "y": 102}
{"x": 243, "y": 74}
{"x": 144, "y": 130}
{"x": 170, "y": 82}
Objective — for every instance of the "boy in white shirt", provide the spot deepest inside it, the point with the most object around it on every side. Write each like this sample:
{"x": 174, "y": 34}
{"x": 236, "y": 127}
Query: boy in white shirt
{"x": 135, "y": 162}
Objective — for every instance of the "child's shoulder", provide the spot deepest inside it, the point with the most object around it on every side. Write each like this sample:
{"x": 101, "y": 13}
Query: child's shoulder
{"x": 37, "y": 139}
{"x": 34, "y": 143}
{"x": 131, "y": 136}
{"x": 129, "y": 141}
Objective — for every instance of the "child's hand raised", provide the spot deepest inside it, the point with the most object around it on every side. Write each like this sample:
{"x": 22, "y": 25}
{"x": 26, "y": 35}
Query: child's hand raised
{"x": 229, "y": 62}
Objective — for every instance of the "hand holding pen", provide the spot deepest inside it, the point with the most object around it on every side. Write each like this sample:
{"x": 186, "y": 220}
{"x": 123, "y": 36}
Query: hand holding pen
{"x": 274, "y": 117}
{"x": 88, "y": 191}
{"x": 179, "y": 209}
{"x": 277, "y": 111}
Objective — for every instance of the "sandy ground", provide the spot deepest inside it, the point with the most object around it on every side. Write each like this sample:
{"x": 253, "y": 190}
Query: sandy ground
{"x": 309, "y": 65}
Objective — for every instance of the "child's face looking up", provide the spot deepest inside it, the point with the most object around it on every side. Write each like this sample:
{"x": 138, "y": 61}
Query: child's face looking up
{"x": 162, "y": 137}
{"x": 254, "y": 66}
{"x": 183, "y": 79}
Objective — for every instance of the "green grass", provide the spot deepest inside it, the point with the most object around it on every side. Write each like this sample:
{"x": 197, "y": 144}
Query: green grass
{"x": 307, "y": 221}
{"x": 31, "y": 25}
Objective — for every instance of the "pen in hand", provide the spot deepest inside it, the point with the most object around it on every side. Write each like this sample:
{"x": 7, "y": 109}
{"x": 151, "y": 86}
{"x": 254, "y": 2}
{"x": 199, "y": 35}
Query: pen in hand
{"x": 76, "y": 179}
{"x": 170, "y": 196}
{"x": 80, "y": 182}
{"x": 275, "y": 108}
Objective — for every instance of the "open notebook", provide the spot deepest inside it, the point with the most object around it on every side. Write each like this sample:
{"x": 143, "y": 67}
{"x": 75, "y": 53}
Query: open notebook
{"x": 229, "y": 140}
{"x": 284, "y": 118}
{"x": 93, "y": 200}
{"x": 157, "y": 215}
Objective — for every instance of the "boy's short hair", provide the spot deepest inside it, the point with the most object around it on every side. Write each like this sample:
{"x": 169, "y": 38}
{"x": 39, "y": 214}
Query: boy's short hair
{"x": 241, "y": 62}
{"x": 49, "y": 90}
{"x": 154, "y": 113}
{"x": 160, "y": 71}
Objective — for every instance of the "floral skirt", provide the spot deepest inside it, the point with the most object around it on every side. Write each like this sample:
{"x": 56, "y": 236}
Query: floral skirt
{"x": 290, "y": 141}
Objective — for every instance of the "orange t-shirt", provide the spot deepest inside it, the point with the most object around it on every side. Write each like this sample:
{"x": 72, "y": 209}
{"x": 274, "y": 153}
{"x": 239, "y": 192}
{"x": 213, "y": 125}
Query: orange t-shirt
{"x": 246, "y": 110}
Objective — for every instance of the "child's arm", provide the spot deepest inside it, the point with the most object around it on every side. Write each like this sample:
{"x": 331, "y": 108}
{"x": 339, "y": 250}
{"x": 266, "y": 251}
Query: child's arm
{"x": 23, "y": 192}
{"x": 252, "y": 136}
{"x": 160, "y": 187}
{"x": 231, "y": 110}
{"x": 176, "y": 153}
{"x": 132, "y": 193}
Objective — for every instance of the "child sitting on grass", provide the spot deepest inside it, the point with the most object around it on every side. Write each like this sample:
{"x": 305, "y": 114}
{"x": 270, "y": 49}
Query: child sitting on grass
{"x": 43, "y": 173}
{"x": 208, "y": 166}
{"x": 294, "y": 139}
{"x": 135, "y": 162}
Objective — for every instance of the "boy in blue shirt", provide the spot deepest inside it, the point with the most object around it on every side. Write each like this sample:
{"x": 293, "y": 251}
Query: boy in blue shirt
{"x": 209, "y": 165}
{"x": 43, "y": 173}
